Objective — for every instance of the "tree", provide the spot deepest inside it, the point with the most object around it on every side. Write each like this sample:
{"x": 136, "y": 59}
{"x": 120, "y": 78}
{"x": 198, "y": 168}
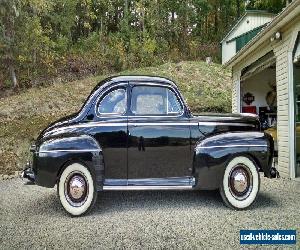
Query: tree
{"x": 274, "y": 6}
{"x": 39, "y": 38}
{"x": 9, "y": 11}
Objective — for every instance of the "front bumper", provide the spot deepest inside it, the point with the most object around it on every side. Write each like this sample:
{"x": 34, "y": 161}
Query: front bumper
{"x": 28, "y": 173}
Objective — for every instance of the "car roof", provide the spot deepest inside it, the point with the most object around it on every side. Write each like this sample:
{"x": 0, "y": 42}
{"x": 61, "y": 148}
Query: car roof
{"x": 135, "y": 78}
{"x": 141, "y": 78}
{"x": 113, "y": 80}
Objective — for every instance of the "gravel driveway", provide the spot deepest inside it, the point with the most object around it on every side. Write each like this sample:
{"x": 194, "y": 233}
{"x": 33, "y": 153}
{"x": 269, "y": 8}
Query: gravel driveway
{"x": 31, "y": 217}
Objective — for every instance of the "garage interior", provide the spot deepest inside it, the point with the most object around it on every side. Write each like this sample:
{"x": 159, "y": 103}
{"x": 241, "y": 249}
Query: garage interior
{"x": 258, "y": 93}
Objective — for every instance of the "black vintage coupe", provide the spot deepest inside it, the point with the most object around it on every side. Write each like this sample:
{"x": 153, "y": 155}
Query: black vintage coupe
{"x": 137, "y": 133}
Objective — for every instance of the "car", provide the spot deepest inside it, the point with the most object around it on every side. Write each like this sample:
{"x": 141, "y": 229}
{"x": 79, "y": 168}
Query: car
{"x": 137, "y": 133}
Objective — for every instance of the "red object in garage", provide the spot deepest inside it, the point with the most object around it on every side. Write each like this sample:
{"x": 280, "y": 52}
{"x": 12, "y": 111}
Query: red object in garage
{"x": 249, "y": 109}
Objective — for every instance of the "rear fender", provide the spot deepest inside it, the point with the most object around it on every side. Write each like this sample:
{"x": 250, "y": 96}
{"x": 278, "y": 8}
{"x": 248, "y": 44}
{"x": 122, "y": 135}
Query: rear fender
{"x": 212, "y": 155}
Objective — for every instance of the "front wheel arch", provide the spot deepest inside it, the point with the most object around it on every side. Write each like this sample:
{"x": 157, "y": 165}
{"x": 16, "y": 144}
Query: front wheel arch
{"x": 71, "y": 161}
{"x": 95, "y": 164}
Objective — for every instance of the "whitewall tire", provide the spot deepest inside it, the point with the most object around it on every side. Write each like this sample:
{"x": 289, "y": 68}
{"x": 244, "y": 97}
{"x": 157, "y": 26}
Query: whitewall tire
{"x": 76, "y": 189}
{"x": 240, "y": 184}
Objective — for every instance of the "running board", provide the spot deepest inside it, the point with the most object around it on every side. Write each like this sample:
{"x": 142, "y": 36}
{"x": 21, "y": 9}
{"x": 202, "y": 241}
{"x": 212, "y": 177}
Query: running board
{"x": 125, "y": 188}
{"x": 185, "y": 182}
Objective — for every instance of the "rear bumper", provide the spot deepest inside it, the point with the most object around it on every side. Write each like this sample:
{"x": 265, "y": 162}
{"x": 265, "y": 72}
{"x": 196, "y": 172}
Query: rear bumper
{"x": 274, "y": 173}
{"x": 28, "y": 174}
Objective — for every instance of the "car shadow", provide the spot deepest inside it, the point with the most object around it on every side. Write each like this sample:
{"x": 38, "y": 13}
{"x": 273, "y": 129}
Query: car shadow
{"x": 111, "y": 202}
{"x": 29, "y": 183}
{"x": 265, "y": 200}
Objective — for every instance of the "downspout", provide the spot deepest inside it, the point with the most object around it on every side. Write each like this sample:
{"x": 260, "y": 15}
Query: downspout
{"x": 291, "y": 129}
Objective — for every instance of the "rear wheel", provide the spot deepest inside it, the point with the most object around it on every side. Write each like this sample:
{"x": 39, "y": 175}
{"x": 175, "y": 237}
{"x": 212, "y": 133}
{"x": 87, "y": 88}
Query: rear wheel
{"x": 241, "y": 183}
{"x": 76, "y": 189}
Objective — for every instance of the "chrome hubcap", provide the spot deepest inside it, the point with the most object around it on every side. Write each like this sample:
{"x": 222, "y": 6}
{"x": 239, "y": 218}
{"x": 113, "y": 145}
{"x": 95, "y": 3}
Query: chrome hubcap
{"x": 76, "y": 189}
{"x": 240, "y": 182}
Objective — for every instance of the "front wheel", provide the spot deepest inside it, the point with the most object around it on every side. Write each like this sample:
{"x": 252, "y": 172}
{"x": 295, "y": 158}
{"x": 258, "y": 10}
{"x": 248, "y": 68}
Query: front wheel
{"x": 76, "y": 189}
{"x": 241, "y": 183}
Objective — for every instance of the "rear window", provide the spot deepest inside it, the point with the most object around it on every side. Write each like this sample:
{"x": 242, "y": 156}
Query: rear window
{"x": 152, "y": 100}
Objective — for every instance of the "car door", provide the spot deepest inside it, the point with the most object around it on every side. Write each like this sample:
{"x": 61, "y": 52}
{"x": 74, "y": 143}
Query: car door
{"x": 158, "y": 134}
{"x": 111, "y": 131}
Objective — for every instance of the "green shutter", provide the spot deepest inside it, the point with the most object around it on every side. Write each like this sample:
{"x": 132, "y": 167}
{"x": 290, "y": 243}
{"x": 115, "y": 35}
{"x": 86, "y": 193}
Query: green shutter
{"x": 242, "y": 40}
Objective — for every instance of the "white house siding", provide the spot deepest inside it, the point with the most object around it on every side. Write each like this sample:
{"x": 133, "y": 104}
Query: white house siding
{"x": 235, "y": 90}
{"x": 228, "y": 50}
{"x": 283, "y": 65}
{"x": 254, "y": 20}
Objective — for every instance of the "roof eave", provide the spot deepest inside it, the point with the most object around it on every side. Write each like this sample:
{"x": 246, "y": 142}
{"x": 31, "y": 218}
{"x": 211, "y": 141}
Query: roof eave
{"x": 247, "y": 12}
{"x": 293, "y": 8}
{"x": 233, "y": 27}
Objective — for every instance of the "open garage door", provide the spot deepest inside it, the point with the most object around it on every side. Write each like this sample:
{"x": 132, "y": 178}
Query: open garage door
{"x": 258, "y": 66}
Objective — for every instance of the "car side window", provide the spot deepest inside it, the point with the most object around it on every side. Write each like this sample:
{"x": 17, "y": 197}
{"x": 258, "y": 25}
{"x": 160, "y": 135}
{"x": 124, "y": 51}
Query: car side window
{"x": 154, "y": 100}
{"x": 114, "y": 102}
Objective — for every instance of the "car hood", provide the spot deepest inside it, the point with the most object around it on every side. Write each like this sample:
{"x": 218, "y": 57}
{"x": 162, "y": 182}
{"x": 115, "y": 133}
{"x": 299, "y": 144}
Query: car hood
{"x": 59, "y": 123}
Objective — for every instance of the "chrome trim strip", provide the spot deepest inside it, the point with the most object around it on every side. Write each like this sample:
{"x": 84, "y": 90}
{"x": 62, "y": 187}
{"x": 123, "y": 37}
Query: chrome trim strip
{"x": 158, "y": 123}
{"x": 69, "y": 150}
{"x": 152, "y": 182}
{"x": 124, "y": 124}
{"x": 91, "y": 125}
{"x": 153, "y": 83}
{"x": 127, "y": 188}
{"x": 231, "y": 146}
{"x": 168, "y": 181}
{"x": 188, "y": 123}
{"x": 154, "y": 116}
{"x": 98, "y": 124}
{"x": 224, "y": 124}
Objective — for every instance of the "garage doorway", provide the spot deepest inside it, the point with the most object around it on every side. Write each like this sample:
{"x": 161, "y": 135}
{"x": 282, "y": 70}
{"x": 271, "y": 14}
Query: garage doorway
{"x": 258, "y": 93}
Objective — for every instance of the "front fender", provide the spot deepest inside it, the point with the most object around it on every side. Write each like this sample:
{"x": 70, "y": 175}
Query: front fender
{"x": 53, "y": 154}
{"x": 212, "y": 155}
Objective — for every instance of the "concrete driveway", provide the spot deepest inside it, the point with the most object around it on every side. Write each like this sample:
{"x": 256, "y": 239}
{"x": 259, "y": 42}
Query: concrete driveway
{"x": 32, "y": 217}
